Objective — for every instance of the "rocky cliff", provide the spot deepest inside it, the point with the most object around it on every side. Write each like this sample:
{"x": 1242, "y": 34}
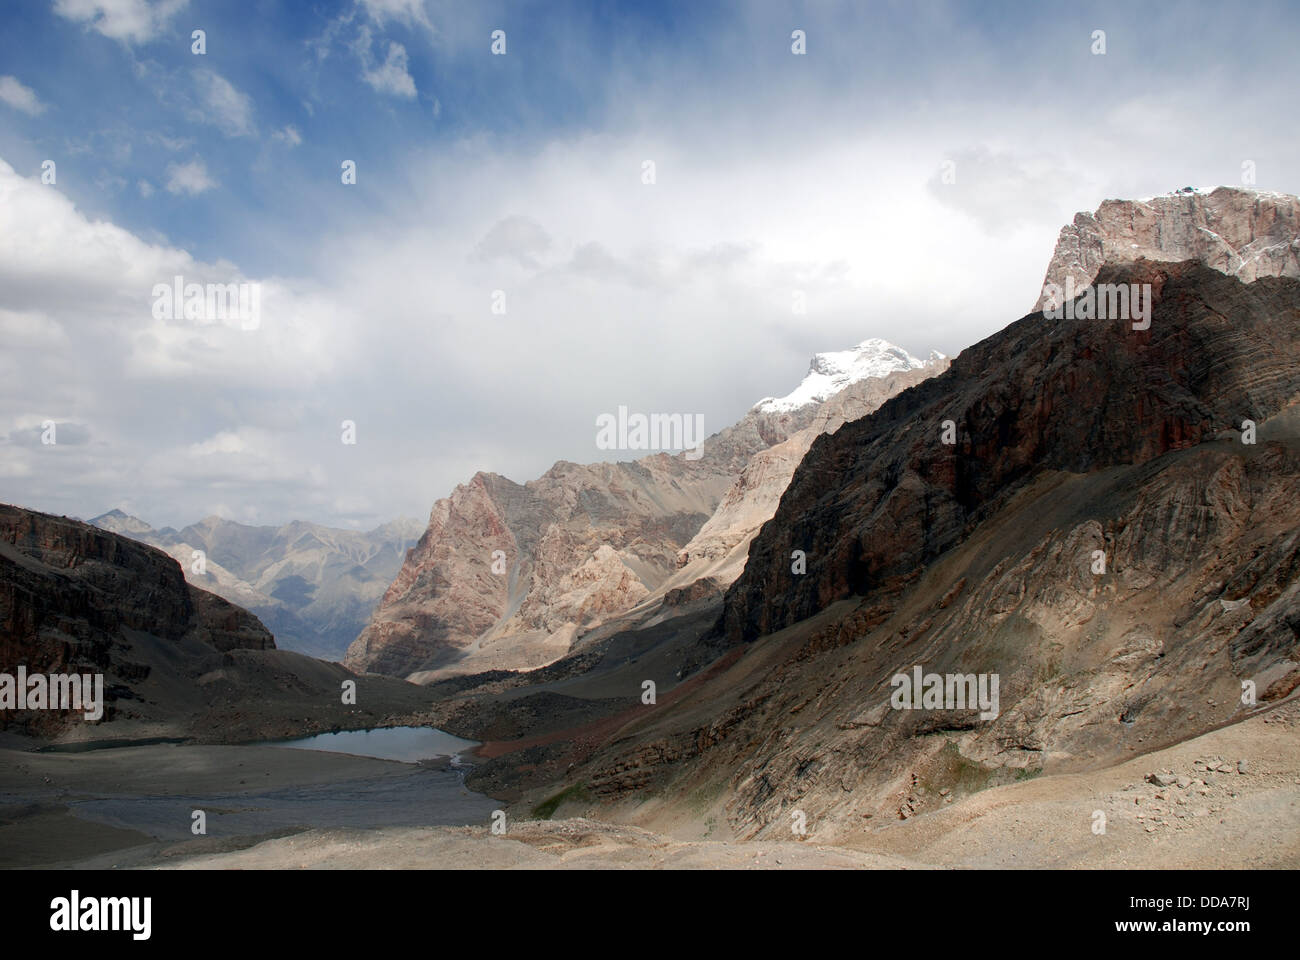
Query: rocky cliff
{"x": 1244, "y": 233}
{"x": 177, "y": 661}
{"x": 1105, "y": 535}
{"x": 314, "y": 586}
{"x": 586, "y": 543}
{"x": 885, "y": 494}
{"x": 507, "y": 574}
{"x": 70, "y": 593}
{"x": 718, "y": 551}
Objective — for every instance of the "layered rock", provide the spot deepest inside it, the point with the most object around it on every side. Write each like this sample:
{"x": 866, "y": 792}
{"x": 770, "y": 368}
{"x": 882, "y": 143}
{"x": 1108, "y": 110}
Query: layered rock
{"x": 1243, "y": 233}
{"x": 315, "y": 586}
{"x": 586, "y": 543}
{"x": 885, "y": 494}
{"x": 176, "y": 660}
{"x": 1099, "y": 538}
{"x": 506, "y": 574}
{"x": 70, "y": 593}
{"x": 718, "y": 550}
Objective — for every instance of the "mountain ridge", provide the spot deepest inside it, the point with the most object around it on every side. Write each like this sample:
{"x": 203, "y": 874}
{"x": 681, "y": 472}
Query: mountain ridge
{"x": 314, "y": 585}
{"x": 585, "y": 543}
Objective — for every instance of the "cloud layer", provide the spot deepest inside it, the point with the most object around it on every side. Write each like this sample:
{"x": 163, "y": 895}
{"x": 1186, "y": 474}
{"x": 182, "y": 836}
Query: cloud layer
{"x": 504, "y": 270}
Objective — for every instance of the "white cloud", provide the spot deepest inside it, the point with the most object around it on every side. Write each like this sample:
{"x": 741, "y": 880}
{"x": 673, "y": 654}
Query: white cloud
{"x": 1000, "y": 190}
{"x": 516, "y": 238}
{"x": 222, "y": 105}
{"x": 671, "y": 297}
{"x": 391, "y": 76}
{"x": 403, "y": 11}
{"x": 191, "y": 178}
{"x": 131, "y": 21}
{"x": 172, "y": 412}
{"x": 20, "y": 97}
{"x": 146, "y": 188}
{"x": 289, "y": 135}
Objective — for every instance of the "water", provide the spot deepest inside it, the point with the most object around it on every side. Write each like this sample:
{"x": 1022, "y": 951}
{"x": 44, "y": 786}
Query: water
{"x": 407, "y": 795}
{"x": 406, "y": 744}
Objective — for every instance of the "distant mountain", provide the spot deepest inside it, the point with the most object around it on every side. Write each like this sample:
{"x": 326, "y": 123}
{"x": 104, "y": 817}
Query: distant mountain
{"x": 585, "y": 544}
{"x": 313, "y": 586}
{"x": 830, "y": 373}
{"x": 176, "y": 661}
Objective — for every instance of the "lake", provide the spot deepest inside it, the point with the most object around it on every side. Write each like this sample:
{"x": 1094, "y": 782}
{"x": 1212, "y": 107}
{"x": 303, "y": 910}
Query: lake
{"x": 406, "y": 744}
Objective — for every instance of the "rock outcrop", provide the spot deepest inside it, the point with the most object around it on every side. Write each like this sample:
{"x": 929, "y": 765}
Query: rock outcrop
{"x": 1101, "y": 537}
{"x": 314, "y": 586}
{"x": 1243, "y": 233}
{"x": 176, "y": 660}
{"x": 70, "y": 593}
{"x": 509, "y": 576}
{"x": 885, "y": 494}
{"x": 718, "y": 551}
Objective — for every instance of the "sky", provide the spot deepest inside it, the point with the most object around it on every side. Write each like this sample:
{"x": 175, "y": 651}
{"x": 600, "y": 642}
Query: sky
{"x": 620, "y": 206}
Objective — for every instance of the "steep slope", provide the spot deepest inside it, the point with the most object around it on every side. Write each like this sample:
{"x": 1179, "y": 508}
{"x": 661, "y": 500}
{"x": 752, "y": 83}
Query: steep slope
{"x": 576, "y": 545}
{"x": 1244, "y": 233}
{"x": 587, "y": 543}
{"x": 314, "y": 586}
{"x": 1076, "y": 440}
{"x": 718, "y": 551}
{"x": 176, "y": 660}
{"x": 884, "y": 494}
{"x": 69, "y": 593}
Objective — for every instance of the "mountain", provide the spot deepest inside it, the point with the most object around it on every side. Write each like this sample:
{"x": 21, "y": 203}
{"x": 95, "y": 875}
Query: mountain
{"x": 830, "y": 373}
{"x": 577, "y": 545}
{"x": 1112, "y": 536}
{"x": 1076, "y": 441}
{"x": 71, "y": 594}
{"x": 314, "y": 586}
{"x": 585, "y": 545}
{"x": 1244, "y": 233}
{"x": 716, "y": 554}
{"x": 176, "y": 660}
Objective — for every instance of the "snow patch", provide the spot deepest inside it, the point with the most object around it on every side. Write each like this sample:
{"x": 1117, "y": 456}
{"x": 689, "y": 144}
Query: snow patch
{"x": 829, "y": 373}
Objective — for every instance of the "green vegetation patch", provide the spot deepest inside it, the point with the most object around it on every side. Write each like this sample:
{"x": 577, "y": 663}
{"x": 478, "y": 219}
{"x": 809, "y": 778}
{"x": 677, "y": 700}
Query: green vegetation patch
{"x": 546, "y": 809}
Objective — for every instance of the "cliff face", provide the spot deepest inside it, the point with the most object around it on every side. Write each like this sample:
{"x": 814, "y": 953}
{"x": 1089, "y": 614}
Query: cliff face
{"x": 883, "y": 495}
{"x": 1099, "y": 538}
{"x": 315, "y": 586}
{"x": 177, "y": 661}
{"x": 718, "y": 551}
{"x": 71, "y": 595}
{"x": 586, "y": 543}
{"x": 578, "y": 544}
{"x": 1243, "y": 233}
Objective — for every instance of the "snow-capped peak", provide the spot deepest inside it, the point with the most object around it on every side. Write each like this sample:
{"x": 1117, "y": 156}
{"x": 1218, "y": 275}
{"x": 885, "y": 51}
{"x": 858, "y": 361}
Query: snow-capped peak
{"x": 829, "y": 373}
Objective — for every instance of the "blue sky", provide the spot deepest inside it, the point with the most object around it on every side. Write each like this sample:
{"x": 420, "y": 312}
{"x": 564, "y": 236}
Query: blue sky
{"x": 522, "y": 173}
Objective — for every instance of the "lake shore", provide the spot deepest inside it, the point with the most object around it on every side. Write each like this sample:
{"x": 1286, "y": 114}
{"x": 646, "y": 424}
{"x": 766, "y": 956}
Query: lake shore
{"x": 85, "y": 809}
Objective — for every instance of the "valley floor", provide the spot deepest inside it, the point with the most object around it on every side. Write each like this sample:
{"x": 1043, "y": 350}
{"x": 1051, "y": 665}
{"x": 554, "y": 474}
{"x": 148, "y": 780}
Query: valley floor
{"x": 1243, "y": 812}
{"x": 1247, "y": 820}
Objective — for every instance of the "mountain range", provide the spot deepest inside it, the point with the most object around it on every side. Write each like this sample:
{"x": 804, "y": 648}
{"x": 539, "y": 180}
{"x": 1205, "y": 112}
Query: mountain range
{"x": 586, "y": 544}
{"x": 1096, "y": 519}
{"x": 313, "y": 586}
